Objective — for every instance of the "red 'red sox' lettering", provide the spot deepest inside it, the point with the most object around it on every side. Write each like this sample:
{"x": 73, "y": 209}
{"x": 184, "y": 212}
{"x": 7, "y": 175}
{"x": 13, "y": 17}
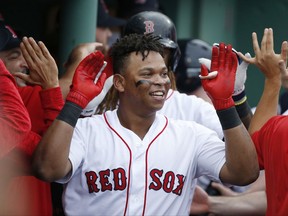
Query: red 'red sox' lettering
{"x": 169, "y": 182}
{"x": 119, "y": 180}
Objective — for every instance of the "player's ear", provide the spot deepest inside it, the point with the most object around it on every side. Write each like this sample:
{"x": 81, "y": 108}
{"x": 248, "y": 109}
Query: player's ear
{"x": 119, "y": 82}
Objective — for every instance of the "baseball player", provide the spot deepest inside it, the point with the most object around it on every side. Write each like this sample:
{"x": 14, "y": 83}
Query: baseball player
{"x": 133, "y": 161}
{"x": 182, "y": 105}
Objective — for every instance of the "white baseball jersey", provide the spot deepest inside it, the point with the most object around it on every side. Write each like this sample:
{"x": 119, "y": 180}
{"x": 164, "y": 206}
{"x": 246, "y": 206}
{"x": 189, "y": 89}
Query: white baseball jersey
{"x": 191, "y": 108}
{"x": 114, "y": 172}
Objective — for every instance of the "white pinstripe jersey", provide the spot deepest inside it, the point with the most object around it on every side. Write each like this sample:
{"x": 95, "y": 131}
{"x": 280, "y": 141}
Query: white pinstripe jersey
{"x": 117, "y": 173}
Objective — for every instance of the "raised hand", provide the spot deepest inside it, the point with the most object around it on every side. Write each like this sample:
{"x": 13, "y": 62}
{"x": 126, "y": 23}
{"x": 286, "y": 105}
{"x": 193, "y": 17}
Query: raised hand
{"x": 265, "y": 57}
{"x": 220, "y": 88}
{"x": 43, "y": 69}
{"x": 78, "y": 53}
{"x": 93, "y": 105}
{"x": 83, "y": 88}
{"x": 241, "y": 73}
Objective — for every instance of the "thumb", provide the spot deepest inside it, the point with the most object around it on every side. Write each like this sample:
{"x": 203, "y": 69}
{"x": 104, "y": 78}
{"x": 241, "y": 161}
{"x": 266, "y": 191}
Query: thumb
{"x": 205, "y": 61}
{"x": 284, "y": 74}
{"x": 226, "y": 191}
{"x": 245, "y": 64}
{"x": 204, "y": 70}
{"x": 26, "y": 78}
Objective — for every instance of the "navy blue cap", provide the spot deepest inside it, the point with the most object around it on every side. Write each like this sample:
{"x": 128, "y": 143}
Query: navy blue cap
{"x": 8, "y": 38}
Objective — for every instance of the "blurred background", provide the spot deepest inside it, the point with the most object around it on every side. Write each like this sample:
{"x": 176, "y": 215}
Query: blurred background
{"x": 61, "y": 24}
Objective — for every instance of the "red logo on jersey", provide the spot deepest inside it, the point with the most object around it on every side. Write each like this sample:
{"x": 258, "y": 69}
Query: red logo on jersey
{"x": 168, "y": 183}
{"x": 119, "y": 179}
{"x": 149, "y": 27}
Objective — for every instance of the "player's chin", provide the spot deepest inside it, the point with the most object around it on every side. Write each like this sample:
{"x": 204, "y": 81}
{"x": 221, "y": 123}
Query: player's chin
{"x": 157, "y": 104}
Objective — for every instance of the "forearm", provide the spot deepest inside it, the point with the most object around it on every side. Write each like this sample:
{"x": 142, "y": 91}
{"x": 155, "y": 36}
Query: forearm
{"x": 267, "y": 106}
{"x": 238, "y": 170}
{"x": 245, "y": 113}
{"x": 241, "y": 157}
{"x": 50, "y": 159}
{"x": 246, "y": 204}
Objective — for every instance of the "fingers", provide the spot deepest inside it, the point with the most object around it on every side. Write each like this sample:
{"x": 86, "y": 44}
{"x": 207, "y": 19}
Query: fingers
{"x": 270, "y": 40}
{"x": 229, "y": 57}
{"x": 284, "y": 74}
{"x": 223, "y": 189}
{"x": 256, "y": 47}
{"x": 264, "y": 40}
{"x": 44, "y": 50}
{"x": 214, "y": 59}
{"x": 283, "y": 70}
{"x": 284, "y": 49}
{"x": 32, "y": 49}
{"x": 222, "y": 53}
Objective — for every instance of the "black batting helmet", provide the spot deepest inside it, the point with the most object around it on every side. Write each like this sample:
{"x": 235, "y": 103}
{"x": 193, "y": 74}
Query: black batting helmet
{"x": 158, "y": 24}
{"x": 189, "y": 68}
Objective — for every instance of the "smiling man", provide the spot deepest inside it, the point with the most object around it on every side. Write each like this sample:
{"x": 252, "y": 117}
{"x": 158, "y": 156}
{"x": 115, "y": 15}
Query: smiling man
{"x": 133, "y": 161}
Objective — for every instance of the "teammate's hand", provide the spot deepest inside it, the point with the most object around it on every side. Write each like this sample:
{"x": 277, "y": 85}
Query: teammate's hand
{"x": 43, "y": 69}
{"x": 83, "y": 88}
{"x": 220, "y": 88}
{"x": 93, "y": 105}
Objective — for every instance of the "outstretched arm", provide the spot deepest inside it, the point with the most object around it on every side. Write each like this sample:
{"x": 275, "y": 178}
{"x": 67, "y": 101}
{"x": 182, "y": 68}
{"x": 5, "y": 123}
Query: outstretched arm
{"x": 272, "y": 65}
{"x": 51, "y": 157}
{"x": 241, "y": 166}
{"x": 245, "y": 204}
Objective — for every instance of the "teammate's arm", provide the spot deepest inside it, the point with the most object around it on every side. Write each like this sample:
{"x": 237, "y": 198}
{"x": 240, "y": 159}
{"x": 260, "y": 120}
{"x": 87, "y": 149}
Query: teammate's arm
{"x": 272, "y": 66}
{"x": 241, "y": 166}
{"x": 244, "y": 204}
{"x": 51, "y": 157}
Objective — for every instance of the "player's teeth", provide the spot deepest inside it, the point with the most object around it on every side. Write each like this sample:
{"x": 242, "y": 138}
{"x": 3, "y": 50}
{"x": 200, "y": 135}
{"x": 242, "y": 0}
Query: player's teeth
{"x": 158, "y": 93}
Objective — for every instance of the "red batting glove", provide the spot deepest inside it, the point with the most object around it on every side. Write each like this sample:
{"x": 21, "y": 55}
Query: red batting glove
{"x": 220, "y": 88}
{"x": 83, "y": 88}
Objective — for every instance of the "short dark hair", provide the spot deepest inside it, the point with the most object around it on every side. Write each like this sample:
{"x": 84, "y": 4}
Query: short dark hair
{"x": 122, "y": 48}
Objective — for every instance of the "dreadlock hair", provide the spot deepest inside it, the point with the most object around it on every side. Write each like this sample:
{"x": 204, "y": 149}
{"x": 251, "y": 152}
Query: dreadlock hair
{"x": 120, "y": 52}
